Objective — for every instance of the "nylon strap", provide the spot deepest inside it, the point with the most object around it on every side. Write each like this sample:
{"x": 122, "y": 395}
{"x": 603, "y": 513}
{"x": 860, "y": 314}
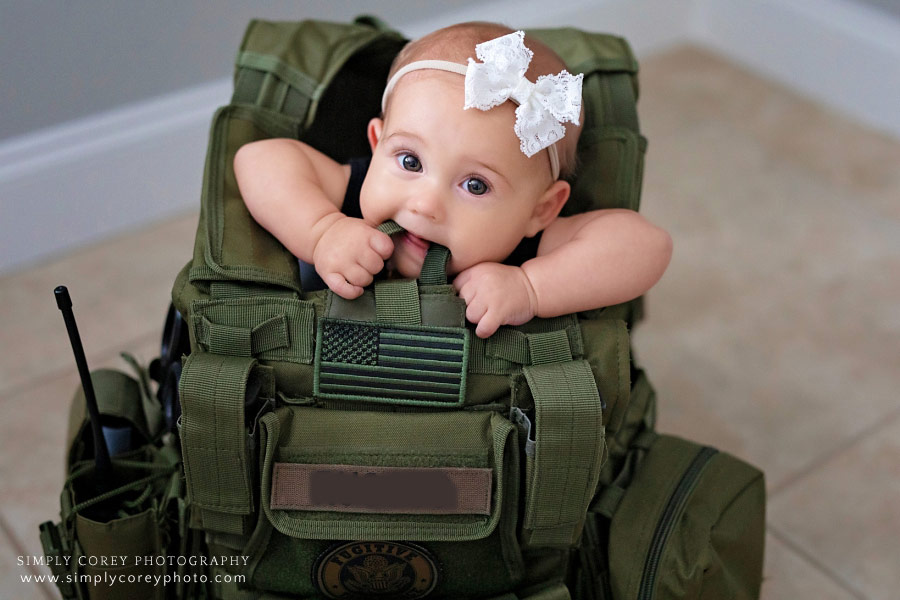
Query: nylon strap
{"x": 555, "y": 345}
{"x": 271, "y": 64}
{"x": 397, "y": 302}
{"x": 244, "y": 341}
{"x": 55, "y": 546}
{"x": 390, "y": 228}
{"x": 270, "y": 328}
{"x": 221, "y": 290}
{"x": 569, "y": 448}
{"x": 214, "y": 441}
{"x": 610, "y": 495}
{"x": 434, "y": 269}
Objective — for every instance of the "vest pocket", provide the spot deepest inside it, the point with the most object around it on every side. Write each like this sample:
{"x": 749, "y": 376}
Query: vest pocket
{"x": 365, "y": 500}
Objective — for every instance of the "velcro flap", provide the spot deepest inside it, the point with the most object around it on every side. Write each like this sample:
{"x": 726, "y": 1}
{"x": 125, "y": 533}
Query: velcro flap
{"x": 384, "y": 490}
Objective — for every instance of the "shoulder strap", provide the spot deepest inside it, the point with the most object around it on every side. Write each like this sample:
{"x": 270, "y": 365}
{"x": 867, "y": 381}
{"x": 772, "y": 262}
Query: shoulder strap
{"x": 310, "y": 80}
{"x": 611, "y": 147}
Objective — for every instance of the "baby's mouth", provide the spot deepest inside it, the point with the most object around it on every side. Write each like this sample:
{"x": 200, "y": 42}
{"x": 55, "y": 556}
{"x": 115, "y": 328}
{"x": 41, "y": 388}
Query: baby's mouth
{"x": 415, "y": 241}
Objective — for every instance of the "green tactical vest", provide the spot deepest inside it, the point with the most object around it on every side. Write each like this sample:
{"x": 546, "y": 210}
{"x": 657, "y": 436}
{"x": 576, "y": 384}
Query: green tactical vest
{"x": 377, "y": 447}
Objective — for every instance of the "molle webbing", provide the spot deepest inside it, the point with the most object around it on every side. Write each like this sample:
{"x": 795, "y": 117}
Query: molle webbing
{"x": 272, "y": 328}
{"x": 266, "y": 81}
{"x": 569, "y": 442}
{"x": 397, "y": 302}
{"x": 217, "y": 463}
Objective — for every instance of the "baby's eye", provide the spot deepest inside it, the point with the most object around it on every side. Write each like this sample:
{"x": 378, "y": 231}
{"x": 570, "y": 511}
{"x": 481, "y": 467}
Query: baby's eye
{"x": 410, "y": 162}
{"x": 475, "y": 186}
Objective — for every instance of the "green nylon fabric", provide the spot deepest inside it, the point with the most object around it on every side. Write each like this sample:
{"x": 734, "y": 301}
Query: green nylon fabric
{"x": 56, "y": 546}
{"x": 540, "y": 340}
{"x": 118, "y": 395}
{"x": 715, "y": 547}
{"x": 471, "y": 439}
{"x": 434, "y": 269}
{"x": 568, "y": 451}
{"x": 275, "y": 328}
{"x": 224, "y": 290}
{"x": 213, "y": 439}
{"x": 549, "y": 347}
{"x": 136, "y": 535}
{"x": 131, "y": 519}
{"x": 397, "y": 302}
{"x": 390, "y": 228}
{"x": 153, "y": 410}
{"x": 448, "y": 439}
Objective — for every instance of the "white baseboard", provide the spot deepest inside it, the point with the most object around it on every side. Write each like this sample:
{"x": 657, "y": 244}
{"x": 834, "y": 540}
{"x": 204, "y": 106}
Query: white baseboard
{"x": 84, "y": 181}
{"x": 88, "y": 180}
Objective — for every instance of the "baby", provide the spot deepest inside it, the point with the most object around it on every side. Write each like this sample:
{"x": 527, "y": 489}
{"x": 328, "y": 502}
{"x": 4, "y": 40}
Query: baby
{"x": 455, "y": 163}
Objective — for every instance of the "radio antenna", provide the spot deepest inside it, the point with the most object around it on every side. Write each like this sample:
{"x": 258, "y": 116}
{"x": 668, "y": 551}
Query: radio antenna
{"x": 101, "y": 451}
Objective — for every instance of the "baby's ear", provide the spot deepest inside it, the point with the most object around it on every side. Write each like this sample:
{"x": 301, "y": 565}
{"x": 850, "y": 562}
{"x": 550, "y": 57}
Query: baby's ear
{"x": 373, "y": 132}
{"x": 548, "y": 206}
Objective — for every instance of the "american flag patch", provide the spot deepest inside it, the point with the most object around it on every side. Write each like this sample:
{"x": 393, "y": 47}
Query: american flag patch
{"x": 404, "y": 365}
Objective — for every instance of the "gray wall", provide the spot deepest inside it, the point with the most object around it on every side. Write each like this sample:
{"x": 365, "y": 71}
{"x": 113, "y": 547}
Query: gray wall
{"x": 891, "y": 6}
{"x": 63, "y": 60}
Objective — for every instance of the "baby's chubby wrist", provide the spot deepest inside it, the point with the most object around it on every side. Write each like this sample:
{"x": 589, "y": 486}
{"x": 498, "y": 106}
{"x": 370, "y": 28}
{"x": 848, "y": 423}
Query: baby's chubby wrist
{"x": 319, "y": 229}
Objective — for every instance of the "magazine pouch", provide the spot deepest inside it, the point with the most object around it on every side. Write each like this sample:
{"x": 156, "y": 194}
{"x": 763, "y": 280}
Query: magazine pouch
{"x": 115, "y": 530}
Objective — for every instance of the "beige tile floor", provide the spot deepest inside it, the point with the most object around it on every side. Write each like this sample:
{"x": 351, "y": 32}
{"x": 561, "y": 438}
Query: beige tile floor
{"x": 774, "y": 334}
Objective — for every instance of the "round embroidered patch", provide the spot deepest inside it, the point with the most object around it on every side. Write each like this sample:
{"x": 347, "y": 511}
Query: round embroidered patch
{"x": 366, "y": 569}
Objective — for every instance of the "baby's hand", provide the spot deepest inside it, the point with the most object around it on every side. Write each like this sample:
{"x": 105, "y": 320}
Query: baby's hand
{"x": 349, "y": 255}
{"x": 496, "y": 295}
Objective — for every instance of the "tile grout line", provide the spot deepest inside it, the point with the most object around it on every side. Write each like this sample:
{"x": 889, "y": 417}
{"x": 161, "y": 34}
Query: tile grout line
{"x": 801, "y": 552}
{"x": 17, "y": 545}
{"x": 817, "y": 462}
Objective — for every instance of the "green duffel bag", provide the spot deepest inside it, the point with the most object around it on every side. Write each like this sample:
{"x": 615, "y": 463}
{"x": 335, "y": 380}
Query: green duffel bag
{"x": 672, "y": 519}
{"x": 692, "y": 525}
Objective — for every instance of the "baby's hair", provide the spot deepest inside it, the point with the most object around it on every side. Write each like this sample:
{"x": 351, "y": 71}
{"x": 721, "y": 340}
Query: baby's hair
{"x": 456, "y": 43}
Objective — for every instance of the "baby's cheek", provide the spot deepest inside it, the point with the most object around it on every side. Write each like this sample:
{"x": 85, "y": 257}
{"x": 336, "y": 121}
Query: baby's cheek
{"x": 369, "y": 207}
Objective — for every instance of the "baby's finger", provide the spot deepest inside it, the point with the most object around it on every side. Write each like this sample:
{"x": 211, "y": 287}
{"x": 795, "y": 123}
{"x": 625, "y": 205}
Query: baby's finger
{"x": 475, "y": 311}
{"x": 382, "y": 244}
{"x": 358, "y": 276}
{"x": 461, "y": 280}
{"x": 487, "y": 326}
{"x": 371, "y": 262}
{"x": 340, "y": 286}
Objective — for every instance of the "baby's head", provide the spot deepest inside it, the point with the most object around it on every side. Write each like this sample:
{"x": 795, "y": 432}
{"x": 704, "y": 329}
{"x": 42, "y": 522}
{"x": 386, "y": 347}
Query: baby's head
{"x": 456, "y": 44}
{"x": 462, "y": 178}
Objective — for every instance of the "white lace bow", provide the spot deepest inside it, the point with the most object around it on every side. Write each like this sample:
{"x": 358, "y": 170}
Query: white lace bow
{"x": 543, "y": 105}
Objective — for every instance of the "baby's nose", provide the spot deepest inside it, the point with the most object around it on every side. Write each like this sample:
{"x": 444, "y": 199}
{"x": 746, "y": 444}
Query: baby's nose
{"x": 428, "y": 204}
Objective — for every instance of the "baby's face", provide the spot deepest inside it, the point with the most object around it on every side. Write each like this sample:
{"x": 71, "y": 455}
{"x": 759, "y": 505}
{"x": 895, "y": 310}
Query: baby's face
{"x": 451, "y": 176}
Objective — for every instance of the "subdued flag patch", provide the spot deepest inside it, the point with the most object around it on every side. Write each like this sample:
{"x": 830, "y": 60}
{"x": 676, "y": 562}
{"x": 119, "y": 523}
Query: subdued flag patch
{"x": 415, "y": 365}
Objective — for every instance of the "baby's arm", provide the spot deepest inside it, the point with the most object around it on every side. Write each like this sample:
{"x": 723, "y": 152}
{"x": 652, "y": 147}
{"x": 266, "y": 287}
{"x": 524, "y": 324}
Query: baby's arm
{"x": 295, "y": 192}
{"x": 587, "y": 261}
{"x": 596, "y": 259}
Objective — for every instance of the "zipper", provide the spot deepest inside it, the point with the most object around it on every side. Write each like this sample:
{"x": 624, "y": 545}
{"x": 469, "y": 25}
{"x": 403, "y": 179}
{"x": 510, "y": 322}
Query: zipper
{"x": 669, "y": 517}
